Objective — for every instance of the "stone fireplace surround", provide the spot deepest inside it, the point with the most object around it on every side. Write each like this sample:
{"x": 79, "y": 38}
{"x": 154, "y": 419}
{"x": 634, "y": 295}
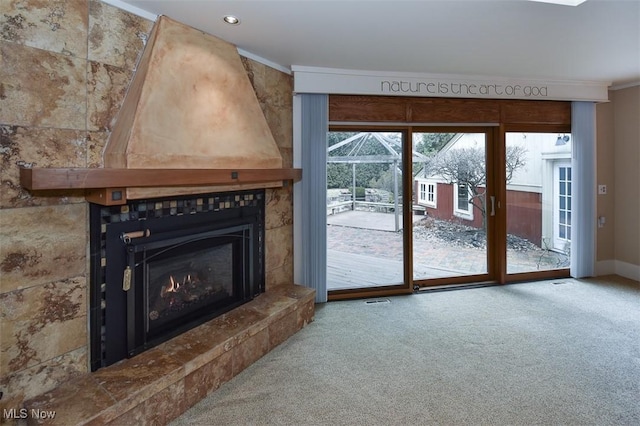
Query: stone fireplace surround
{"x": 90, "y": 56}
{"x": 161, "y": 383}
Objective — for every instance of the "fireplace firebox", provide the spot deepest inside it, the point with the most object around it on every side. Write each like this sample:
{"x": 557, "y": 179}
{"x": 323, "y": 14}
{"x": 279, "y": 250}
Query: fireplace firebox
{"x": 160, "y": 267}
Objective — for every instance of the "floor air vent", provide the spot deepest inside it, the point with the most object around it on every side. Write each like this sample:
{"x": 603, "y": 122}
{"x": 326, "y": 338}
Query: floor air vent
{"x": 377, "y": 301}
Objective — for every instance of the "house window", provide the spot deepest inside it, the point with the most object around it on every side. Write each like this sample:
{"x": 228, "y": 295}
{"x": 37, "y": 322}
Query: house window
{"x": 562, "y": 206}
{"x": 431, "y": 193}
{"x": 463, "y": 197}
{"x": 427, "y": 194}
{"x": 564, "y": 201}
{"x": 462, "y": 206}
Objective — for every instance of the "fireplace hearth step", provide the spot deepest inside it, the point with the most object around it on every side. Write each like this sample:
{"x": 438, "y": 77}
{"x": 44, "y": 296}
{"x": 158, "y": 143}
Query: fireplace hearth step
{"x": 158, "y": 385}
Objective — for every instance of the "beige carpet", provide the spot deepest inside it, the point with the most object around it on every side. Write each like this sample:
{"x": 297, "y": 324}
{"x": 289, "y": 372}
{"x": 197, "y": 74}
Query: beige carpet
{"x": 552, "y": 352}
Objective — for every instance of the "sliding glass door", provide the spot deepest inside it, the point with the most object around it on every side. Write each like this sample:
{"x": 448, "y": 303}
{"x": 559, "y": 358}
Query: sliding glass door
{"x": 452, "y": 206}
{"x": 438, "y": 234}
{"x": 450, "y": 203}
{"x": 365, "y": 245}
{"x": 456, "y": 205}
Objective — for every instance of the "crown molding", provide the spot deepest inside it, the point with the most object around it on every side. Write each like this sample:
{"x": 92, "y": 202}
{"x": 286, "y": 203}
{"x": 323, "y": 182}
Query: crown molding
{"x": 132, "y": 9}
{"x": 264, "y": 61}
{"x": 625, "y": 85}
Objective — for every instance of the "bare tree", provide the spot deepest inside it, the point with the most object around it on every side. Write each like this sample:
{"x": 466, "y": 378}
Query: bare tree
{"x": 515, "y": 159}
{"x": 467, "y": 166}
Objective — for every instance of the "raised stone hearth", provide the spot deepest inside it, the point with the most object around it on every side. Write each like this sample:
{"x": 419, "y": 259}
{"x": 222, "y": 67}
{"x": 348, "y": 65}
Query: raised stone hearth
{"x": 162, "y": 383}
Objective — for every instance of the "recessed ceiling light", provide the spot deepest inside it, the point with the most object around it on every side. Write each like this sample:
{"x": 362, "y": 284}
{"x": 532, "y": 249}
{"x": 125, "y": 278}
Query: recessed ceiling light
{"x": 231, "y": 20}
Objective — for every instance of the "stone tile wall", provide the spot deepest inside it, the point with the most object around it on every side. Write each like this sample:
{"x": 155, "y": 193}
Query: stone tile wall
{"x": 65, "y": 68}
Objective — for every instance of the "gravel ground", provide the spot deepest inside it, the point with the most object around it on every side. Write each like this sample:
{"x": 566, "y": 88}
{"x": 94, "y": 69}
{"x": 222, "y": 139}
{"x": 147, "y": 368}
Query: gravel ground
{"x": 462, "y": 235}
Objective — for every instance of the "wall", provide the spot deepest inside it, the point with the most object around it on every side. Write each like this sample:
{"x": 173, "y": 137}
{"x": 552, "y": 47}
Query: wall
{"x": 66, "y": 66}
{"x": 605, "y": 149}
{"x": 524, "y": 215}
{"x": 618, "y": 153}
{"x": 626, "y": 110}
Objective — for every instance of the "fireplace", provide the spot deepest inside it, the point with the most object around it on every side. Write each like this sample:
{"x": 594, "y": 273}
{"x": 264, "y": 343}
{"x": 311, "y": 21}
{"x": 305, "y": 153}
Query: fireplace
{"x": 160, "y": 267}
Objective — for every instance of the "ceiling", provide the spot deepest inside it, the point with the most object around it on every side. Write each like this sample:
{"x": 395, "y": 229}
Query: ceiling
{"x": 598, "y": 40}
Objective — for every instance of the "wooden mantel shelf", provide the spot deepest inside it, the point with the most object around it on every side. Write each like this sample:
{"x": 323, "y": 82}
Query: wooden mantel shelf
{"x": 42, "y": 179}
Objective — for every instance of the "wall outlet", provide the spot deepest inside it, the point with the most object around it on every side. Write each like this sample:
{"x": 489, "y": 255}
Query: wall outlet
{"x": 602, "y": 189}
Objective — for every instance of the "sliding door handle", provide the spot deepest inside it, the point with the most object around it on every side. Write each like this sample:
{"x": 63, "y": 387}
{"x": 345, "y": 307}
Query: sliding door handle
{"x": 493, "y": 205}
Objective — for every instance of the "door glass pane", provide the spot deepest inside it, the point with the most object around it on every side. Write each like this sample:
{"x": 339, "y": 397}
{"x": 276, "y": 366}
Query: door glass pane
{"x": 449, "y": 206}
{"x": 538, "y": 201}
{"x": 364, "y": 210}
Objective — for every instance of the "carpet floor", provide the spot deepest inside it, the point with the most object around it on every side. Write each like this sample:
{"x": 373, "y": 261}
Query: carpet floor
{"x": 541, "y": 353}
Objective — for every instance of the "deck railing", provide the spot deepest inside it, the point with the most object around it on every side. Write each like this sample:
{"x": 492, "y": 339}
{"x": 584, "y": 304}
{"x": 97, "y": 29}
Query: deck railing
{"x": 370, "y": 206}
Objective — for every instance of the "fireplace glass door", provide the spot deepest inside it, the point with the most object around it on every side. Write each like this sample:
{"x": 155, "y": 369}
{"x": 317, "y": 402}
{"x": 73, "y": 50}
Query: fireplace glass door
{"x": 184, "y": 278}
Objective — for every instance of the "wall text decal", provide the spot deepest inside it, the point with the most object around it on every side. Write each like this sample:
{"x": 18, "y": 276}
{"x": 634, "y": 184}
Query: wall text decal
{"x": 444, "y": 88}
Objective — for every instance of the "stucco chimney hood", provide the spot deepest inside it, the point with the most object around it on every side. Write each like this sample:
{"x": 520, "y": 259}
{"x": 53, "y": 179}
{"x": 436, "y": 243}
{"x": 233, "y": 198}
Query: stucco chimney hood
{"x": 189, "y": 119}
{"x": 190, "y": 105}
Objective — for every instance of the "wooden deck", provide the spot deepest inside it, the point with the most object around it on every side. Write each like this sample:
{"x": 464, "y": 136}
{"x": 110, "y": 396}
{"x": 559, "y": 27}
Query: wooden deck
{"x": 350, "y": 270}
{"x": 346, "y": 270}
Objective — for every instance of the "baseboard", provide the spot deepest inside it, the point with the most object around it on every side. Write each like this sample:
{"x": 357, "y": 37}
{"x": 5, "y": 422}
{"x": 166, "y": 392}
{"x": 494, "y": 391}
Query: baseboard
{"x": 617, "y": 267}
{"x": 628, "y": 270}
{"x": 605, "y": 267}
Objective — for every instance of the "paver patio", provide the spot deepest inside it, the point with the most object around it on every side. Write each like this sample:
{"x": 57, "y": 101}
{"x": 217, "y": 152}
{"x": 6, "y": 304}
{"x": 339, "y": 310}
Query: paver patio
{"x": 364, "y": 251}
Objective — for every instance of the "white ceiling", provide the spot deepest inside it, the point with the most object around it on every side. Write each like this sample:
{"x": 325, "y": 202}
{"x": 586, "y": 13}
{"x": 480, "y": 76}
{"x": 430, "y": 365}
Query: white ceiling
{"x": 598, "y": 40}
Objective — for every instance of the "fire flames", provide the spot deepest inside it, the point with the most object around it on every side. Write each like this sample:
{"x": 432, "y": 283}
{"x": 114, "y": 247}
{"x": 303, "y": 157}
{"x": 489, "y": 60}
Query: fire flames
{"x": 180, "y": 291}
{"x": 174, "y": 285}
